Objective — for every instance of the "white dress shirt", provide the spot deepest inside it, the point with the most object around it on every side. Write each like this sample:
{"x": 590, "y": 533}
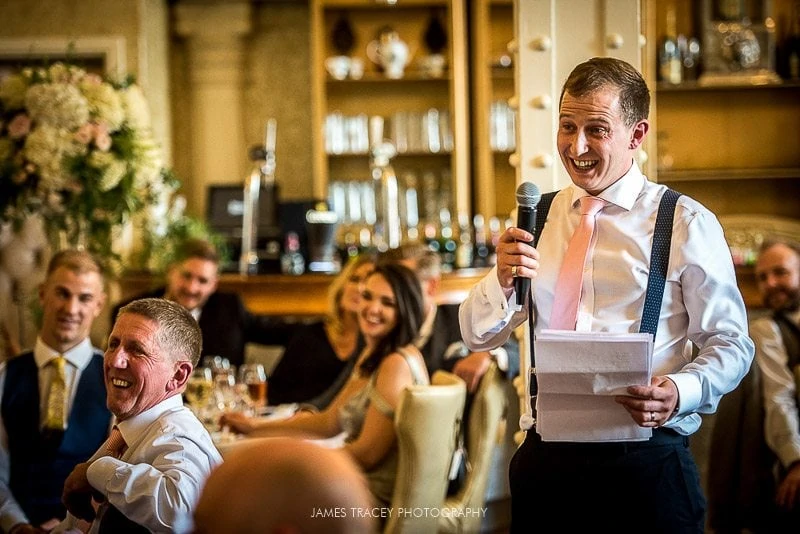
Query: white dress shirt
{"x": 77, "y": 358}
{"x": 157, "y": 481}
{"x": 782, "y": 421}
{"x": 701, "y": 302}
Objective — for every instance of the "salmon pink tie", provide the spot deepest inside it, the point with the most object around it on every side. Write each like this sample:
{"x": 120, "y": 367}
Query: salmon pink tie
{"x": 570, "y": 279}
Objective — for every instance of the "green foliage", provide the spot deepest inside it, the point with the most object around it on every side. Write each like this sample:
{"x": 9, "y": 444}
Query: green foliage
{"x": 161, "y": 251}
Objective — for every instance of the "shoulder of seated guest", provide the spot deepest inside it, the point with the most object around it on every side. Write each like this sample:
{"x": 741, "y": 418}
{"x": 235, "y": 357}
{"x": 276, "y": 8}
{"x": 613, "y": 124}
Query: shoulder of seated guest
{"x": 393, "y": 374}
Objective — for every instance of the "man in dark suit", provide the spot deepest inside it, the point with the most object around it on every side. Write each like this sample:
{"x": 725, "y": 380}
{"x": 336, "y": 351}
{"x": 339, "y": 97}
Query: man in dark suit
{"x": 225, "y": 322}
{"x": 53, "y": 412}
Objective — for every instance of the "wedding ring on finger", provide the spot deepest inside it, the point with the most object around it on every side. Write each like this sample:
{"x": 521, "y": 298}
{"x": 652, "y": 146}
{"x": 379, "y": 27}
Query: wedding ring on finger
{"x": 513, "y": 271}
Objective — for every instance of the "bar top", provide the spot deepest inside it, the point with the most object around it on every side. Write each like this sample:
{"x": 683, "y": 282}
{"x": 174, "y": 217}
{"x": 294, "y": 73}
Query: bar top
{"x": 306, "y": 295}
{"x": 302, "y": 296}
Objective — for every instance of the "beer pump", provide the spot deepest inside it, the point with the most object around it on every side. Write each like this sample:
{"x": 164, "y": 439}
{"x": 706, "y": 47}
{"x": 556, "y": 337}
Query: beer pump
{"x": 261, "y": 253}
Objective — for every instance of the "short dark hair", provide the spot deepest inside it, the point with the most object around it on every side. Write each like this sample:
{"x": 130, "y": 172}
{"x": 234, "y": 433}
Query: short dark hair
{"x": 178, "y": 331}
{"x": 197, "y": 248}
{"x": 602, "y": 72}
{"x": 410, "y": 312}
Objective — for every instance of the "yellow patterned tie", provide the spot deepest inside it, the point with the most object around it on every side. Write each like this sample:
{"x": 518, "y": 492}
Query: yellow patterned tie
{"x": 56, "y": 398}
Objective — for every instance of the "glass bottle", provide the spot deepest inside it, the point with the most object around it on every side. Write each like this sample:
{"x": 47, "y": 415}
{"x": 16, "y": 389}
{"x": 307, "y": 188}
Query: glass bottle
{"x": 793, "y": 45}
{"x": 292, "y": 261}
{"x": 480, "y": 256}
{"x": 464, "y": 250}
{"x": 494, "y": 238}
{"x": 670, "y": 66}
{"x": 447, "y": 242}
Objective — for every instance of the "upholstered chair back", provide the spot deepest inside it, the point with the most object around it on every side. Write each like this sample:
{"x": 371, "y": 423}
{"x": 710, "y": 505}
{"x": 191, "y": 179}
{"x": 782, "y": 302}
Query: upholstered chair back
{"x": 484, "y": 423}
{"x": 427, "y": 422}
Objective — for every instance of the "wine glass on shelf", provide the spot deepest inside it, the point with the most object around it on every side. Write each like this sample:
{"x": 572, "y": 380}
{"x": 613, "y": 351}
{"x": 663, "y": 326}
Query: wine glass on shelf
{"x": 254, "y": 377}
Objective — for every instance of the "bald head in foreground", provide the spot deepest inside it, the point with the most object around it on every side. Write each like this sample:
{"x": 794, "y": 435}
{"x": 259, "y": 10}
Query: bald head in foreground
{"x": 283, "y": 485}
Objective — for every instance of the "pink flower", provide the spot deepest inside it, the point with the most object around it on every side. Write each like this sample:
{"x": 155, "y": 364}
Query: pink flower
{"x": 19, "y": 126}
{"x": 85, "y": 133}
{"x": 101, "y": 138}
{"x": 92, "y": 79}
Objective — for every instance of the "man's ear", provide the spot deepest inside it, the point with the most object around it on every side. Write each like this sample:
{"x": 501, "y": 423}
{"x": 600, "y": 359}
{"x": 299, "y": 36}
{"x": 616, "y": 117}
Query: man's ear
{"x": 432, "y": 287}
{"x": 183, "y": 370}
{"x": 639, "y": 133}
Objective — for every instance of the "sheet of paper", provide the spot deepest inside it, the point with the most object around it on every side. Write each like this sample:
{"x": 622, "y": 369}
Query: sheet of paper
{"x": 578, "y": 375}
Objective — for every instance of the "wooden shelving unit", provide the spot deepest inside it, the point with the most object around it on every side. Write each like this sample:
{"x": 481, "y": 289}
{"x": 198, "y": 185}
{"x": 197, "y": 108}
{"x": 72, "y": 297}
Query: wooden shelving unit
{"x": 734, "y": 147}
{"x": 375, "y": 94}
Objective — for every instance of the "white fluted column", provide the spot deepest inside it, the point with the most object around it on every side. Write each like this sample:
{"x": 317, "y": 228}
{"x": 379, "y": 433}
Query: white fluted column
{"x": 215, "y": 35}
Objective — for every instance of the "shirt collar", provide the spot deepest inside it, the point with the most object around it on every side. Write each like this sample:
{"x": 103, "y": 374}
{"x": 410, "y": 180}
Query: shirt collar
{"x": 79, "y": 356}
{"x": 622, "y": 193}
{"x": 426, "y": 329}
{"x": 136, "y": 425}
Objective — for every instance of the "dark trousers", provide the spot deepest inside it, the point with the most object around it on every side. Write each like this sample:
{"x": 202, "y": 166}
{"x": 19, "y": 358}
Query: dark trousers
{"x": 649, "y": 486}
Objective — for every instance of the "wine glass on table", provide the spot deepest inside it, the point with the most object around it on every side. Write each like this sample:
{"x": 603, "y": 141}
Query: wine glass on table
{"x": 199, "y": 388}
{"x": 254, "y": 377}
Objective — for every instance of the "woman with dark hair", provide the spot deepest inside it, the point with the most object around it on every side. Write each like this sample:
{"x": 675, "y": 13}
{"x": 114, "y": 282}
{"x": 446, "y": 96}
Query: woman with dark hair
{"x": 390, "y": 317}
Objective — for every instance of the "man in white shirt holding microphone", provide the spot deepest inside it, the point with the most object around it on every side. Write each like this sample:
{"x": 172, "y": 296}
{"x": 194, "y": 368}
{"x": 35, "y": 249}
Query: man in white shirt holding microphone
{"x": 648, "y": 485}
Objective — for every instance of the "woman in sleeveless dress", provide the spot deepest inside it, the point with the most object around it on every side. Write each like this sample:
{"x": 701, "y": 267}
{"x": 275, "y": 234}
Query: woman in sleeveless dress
{"x": 390, "y": 317}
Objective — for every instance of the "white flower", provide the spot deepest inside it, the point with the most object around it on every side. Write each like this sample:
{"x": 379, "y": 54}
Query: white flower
{"x": 104, "y": 104}
{"x": 112, "y": 169}
{"x": 147, "y": 160}
{"x": 58, "y": 72}
{"x": 80, "y": 152}
{"x": 113, "y": 175}
{"x": 46, "y": 147}
{"x": 137, "y": 113}
{"x": 57, "y": 104}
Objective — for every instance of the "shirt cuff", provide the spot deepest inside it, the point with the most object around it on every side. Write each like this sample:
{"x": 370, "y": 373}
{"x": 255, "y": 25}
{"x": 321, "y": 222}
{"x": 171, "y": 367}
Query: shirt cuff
{"x": 101, "y": 471}
{"x": 689, "y": 393}
{"x": 500, "y": 356}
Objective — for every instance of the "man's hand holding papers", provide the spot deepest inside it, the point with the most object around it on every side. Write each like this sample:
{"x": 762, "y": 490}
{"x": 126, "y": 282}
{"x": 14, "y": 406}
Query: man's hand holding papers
{"x": 580, "y": 377}
{"x": 651, "y": 406}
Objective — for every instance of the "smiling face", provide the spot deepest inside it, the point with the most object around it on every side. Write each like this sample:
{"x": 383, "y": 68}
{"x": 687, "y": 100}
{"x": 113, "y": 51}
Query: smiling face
{"x": 191, "y": 282}
{"x": 351, "y": 291}
{"x": 778, "y": 277}
{"x": 70, "y": 302}
{"x": 595, "y": 145}
{"x": 139, "y": 372}
{"x": 378, "y": 314}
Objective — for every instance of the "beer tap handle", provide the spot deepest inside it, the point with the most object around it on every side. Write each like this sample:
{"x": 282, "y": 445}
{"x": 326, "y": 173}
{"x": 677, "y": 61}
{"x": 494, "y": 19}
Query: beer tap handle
{"x": 270, "y": 141}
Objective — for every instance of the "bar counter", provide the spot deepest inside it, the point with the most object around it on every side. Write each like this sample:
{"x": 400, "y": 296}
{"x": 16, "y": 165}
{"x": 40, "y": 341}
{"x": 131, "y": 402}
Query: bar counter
{"x": 301, "y": 296}
{"x": 306, "y": 295}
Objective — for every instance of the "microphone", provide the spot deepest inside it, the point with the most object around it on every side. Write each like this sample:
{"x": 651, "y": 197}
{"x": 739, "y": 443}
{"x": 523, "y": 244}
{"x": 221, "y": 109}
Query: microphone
{"x": 528, "y": 196}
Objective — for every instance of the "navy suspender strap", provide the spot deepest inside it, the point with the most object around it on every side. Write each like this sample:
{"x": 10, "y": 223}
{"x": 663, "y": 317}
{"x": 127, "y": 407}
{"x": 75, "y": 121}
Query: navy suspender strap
{"x": 542, "y": 209}
{"x": 659, "y": 261}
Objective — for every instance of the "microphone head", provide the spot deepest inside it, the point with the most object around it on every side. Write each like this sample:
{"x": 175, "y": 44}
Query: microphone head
{"x": 528, "y": 195}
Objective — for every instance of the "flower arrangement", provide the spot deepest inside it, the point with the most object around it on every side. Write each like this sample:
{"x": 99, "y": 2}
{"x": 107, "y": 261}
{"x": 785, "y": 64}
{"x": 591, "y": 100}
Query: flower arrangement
{"x": 77, "y": 149}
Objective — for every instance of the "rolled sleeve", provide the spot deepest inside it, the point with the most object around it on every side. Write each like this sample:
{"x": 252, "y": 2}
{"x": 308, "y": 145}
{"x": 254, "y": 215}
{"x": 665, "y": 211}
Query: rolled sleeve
{"x": 782, "y": 420}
